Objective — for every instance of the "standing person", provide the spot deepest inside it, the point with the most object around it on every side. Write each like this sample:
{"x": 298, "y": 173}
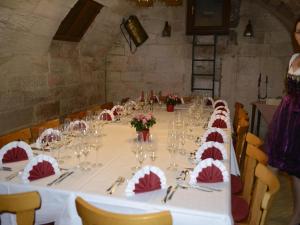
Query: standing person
{"x": 283, "y": 140}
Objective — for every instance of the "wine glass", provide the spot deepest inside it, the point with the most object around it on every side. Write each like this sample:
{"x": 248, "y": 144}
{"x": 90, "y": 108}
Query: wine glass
{"x": 182, "y": 142}
{"x": 173, "y": 148}
{"x": 86, "y": 148}
{"x": 151, "y": 147}
{"x": 78, "y": 154}
{"x": 98, "y": 144}
{"x": 140, "y": 155}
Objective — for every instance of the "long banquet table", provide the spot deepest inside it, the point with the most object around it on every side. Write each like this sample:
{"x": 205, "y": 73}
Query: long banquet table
{"x": 188, "y": 206}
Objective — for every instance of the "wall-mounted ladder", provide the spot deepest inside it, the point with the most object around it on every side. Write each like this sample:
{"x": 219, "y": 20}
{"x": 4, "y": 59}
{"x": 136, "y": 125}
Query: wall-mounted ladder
{"x": 204, "y": 63}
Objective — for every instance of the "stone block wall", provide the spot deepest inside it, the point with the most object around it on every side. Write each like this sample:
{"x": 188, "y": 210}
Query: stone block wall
{"x": 160, "y": 64}
{"x": 165, "y": 64}
{"x": 268, "y": 53}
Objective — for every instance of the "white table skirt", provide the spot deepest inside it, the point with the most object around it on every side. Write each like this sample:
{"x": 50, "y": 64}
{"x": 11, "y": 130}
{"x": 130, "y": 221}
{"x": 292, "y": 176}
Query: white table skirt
{"x": 188, "y": 206}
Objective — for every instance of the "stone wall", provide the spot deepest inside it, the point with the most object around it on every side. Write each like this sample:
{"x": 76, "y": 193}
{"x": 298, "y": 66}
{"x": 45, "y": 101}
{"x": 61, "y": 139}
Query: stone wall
{"x": 268, "y": 52}
{"x": 164, "y": 64}
{"x": 43, "y": 79}
{"x": 161, "y": 63}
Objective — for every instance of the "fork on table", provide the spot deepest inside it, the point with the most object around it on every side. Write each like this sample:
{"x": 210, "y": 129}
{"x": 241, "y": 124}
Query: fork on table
{"x": 120, "y": 180}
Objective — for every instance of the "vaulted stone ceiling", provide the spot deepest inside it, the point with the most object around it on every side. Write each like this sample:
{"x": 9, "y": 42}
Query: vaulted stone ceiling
{"x": 285, "y": 10}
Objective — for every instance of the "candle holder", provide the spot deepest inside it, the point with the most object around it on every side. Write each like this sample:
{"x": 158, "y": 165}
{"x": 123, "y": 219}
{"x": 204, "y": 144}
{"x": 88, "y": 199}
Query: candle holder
{"x": 259, "y": 96}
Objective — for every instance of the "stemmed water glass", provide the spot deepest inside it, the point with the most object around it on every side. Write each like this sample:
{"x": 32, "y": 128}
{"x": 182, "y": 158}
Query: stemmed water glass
{"x": 97, "y": 138}
{"x": 140, "y": 155}
{"x": 182, "y": 142}
{"x": 78, "y": 154}
{"x": 86, "y": 148}
{"x": 173, "y": 148}
{"x": 151, "y": 147}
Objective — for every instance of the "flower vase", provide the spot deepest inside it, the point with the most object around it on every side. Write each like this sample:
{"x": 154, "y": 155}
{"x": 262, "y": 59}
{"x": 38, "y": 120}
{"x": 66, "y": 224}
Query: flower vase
{"x": 143, "y": 135}
{"x": 170, "y": 108}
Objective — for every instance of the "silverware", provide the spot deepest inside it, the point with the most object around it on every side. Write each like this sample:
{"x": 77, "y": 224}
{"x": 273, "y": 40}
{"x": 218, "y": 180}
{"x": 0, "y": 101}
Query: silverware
{"x": 195, "y": 187}
{"x": 209, "y": 187}
{"x": 120, "y": 180}
{"x": 173, "y": 192}
{"x": 167, "y": 193}
{"x": 13, "y": 175}
{"x": 57, "y": 179}
{"x": 5, "y": 168}
{"x": 63, "y": 178}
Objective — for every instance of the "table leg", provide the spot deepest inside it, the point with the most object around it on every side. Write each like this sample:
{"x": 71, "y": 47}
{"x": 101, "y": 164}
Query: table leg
{"x": 253, "y": 117}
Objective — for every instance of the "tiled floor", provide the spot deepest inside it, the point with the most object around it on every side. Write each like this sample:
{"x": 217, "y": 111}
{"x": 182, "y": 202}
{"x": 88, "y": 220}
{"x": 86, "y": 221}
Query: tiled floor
{"x": 282, "y": 206}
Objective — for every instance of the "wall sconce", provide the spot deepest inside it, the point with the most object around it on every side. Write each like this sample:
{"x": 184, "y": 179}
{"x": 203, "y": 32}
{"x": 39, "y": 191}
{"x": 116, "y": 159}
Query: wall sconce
{"x": 167, "y": 30}
{"x": 135, "y": 32}
{"x": 249, "y": 30}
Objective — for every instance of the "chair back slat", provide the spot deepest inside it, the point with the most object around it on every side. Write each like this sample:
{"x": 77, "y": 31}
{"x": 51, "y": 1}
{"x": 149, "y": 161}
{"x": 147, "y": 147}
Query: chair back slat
{"x": 254, "y": 140}
{"x": 266, "y": 186}
{"x": 238, "y": 106}
{"x": 253, "y": 156}
{"x": 76, "y": 115}
{"x": 35, "y": 130}
{"x": 21, "y": 204}
{"x": 23, "y": 135}
{"x": 107, "y": 105}
{"x": 242, "y": 130}
{"x": 91, "y": 215}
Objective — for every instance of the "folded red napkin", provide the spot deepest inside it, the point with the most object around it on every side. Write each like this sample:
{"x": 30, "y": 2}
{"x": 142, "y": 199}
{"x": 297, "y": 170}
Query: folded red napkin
{"x": 219, "y": 104}
{"x": 210, "y": 174}
{"x": 215, "y": 136}
{"x": 42, "y": 169}
{"x": 106, "y": 116}
{"x": 14, "y": 155}
{"x": 213, "y": 153}
{"x": 221, "y": 114}
{"x": 219, "y": 123}
{"x": 149, "y": 182}
{"x": 223, "y": 108}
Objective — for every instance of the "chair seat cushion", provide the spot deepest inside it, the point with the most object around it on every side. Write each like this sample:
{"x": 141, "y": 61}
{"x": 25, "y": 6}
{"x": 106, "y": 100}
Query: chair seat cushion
{"x": 236, "y": 184}
{"x": 239, "y": 208}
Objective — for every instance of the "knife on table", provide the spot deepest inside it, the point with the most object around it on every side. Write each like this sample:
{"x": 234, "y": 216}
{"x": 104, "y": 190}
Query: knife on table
{"x": 57, "y": 179}
{"x": 167, "y": 193}
{"x": 68, "y": 174}
{"x": 173, "y": 191}
{"x": 5, "y": 168}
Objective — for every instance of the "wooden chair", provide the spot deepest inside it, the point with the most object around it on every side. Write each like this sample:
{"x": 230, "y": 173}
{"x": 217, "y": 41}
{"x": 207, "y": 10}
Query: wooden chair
{"x": 242, "y": 131}
{"x": 266, "y": 186}
{"x": 238, "y": 106}
{"x": 107, "y": 105}
{"x": 254, "y": 140}
{"x": 95, "y": 108}
{"x": 91, "y": 215}
{"x": 187, "y": 99}
{"x": 35, "y": 130}
{"x": 23, "y": 135}
{"x": 76, "y": 115}
{"x": 21, "y": 204}
{"x": 253, "y": 156}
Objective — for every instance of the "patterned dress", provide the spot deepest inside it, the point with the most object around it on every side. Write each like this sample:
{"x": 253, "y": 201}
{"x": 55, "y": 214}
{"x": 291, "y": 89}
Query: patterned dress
{"x": 283, "y": 139}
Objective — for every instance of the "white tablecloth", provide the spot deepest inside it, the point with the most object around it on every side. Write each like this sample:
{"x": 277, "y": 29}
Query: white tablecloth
{"x": 188, "y": 206}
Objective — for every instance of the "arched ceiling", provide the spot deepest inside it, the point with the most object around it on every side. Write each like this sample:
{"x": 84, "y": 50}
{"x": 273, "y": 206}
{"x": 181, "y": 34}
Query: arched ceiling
{"x": 286, "y": 11}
